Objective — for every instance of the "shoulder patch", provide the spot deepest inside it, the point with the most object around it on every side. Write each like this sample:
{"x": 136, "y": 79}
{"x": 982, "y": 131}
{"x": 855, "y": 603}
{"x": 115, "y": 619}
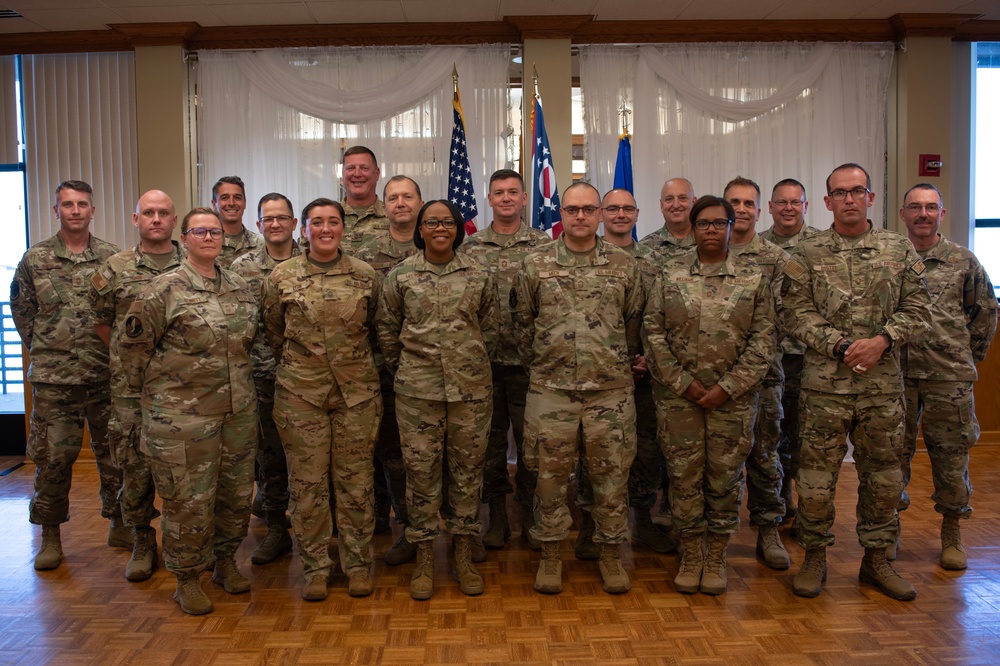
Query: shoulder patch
{"x": 133, "y": 326}
{"x": 99, "y": 281}
{"x": 15, "y": 289}
{"x": 512, "y": 298}
{"x": 795, "y": 270}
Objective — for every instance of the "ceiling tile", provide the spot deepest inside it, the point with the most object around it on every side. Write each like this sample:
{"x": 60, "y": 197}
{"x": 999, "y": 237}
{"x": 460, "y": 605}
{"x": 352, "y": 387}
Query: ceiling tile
{"x": 797, "y": 10}
{"x": 545, "y": 7}
{"x": 347, "y": 11}
{"x": 199, "y": 14}
{"x": 15, "y": 25}
{"x": 425, "y": 11}
{"x": 730, "y": 10}
{"x": 885, "y": 8}
{"x": 639, "y": 10}
{"x": 988, "y": 9}
{"x": 91, "y": 18}
{"x": 268, "y": 13}
{"x": 21, "y": 6}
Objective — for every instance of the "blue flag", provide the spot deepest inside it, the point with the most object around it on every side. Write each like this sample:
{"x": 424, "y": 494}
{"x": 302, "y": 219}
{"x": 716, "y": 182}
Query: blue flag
{"x": 623, "y": 169}
{"x": 545, "y": 213}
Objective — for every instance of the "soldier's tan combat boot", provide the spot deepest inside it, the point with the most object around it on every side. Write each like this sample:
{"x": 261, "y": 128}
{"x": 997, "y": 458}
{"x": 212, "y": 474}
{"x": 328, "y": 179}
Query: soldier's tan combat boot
{"x": 876, "y": 570}
{"x": 50, "y": 554}
{"x": 229, "y": 577}
{"x": 119, "y": 536}
{"x": 315, "y": 587}
{"x": 713, "y": 575}
{"x": 498, "y": 533}
{"x": 548, "y": 580}
{"x": 527, "y": 522}
{"x": 652, "y": 536}
{"x": 359, "y": 582}
{"x": 688, "y": 578}
{"x": 770, "y": 550}
{"x": 613, "y": 577}
{"x": 143, "y": 561}
{"x": 478, "y": 550}
{"x": 585, "y": 548}
{"x": 189, "y": 595}
{"x": 276, "y": 543}
{"x": 469, "y": 580}
{"x": 952, "y": 551}
{"x": 422, "y": 582}
{"x": 809, "y": 580}
{"x": 401, "y": 552}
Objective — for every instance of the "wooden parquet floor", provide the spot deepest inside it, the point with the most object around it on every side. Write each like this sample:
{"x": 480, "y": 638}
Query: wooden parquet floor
{"x": 86, "y": 613}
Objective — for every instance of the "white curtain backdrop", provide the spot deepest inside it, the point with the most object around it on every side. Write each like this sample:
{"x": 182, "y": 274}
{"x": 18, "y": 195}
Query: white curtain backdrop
{"x": 281, "y": 119}
{"x": 709, "y": 112}
{"x": 79, "y": 124}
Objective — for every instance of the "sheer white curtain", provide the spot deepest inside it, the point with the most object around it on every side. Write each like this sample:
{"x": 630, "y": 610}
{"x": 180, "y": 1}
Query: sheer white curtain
{"x": 281, "y": 118}
{"x": 79, "y": 124}
{"x": 709, "y": 112}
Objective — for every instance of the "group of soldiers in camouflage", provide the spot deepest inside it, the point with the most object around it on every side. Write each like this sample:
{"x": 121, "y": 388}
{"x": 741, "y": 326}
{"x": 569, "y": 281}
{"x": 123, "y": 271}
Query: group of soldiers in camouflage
{"x": 386, "y": 360}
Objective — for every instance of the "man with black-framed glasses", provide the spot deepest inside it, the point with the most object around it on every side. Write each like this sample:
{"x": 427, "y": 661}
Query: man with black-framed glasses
{"x": 276, "y": 222}
{"x": 577, "y": 306}
{"x": 854, "y": 294}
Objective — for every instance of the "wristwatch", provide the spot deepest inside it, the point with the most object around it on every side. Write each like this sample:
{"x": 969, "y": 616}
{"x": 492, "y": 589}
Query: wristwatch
{"x": 841, "y": 349}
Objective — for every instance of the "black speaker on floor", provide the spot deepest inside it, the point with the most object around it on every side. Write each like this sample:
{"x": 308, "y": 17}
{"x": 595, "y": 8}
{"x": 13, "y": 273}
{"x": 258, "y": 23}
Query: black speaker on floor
{"x": 14, "y": 439}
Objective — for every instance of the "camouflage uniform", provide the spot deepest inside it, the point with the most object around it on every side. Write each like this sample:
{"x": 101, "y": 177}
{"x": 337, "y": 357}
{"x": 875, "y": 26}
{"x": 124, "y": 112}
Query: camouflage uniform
{"x": 363, "y": 226}
{"x": 69, "y": 373}
{"x": 502, "y": 257}
{"x": 835, "y": 288}
{"x": 578, "y": 321}
{"x": 234, "y": 248}
{"x": 114, "y": 288}
{"x": 712, "y": 323}
{"x": 666, "y": 244}
{"x": 764, "y": 471}
{"x": 437, "y": 327}
{"x": 383, "y": 253}
{"x": 327, "y": 405}
{"x": 792, "y": 352}
{"x": 271, "y": 468}
{"x": 939, "y": 369}
{"x": 647, "y": 469}
{"x": 185, "y": 347}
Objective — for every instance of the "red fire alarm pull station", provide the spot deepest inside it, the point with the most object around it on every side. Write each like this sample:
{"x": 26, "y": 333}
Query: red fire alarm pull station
{"x": 930, "y": 165}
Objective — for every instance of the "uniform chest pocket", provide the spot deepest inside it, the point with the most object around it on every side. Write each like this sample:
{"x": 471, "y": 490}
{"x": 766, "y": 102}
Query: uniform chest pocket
{"x": 613, "y": 294}
{"x": 553, "y": 287}
{"x": 194, "y": 328}
{"x": 301, "y": 312}
{"x": 348, "y": 299}
{"x": 49, "y": 289}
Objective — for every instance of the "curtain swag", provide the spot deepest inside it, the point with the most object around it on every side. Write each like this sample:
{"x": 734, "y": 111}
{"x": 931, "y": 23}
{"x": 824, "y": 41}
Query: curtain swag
{"x": 731, "y": 109}
{"x": 270, "y": 72}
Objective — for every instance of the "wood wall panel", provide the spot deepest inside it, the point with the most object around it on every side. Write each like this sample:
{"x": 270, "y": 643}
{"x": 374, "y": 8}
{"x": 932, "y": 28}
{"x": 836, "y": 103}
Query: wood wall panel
{"x": 988, "y": 396}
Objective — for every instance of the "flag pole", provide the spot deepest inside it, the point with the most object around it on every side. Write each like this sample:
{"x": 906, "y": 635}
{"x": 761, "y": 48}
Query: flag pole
{"x": 454, "y": 82}
{"x": 534, "y": 78}
{"x": 624, "y": 112}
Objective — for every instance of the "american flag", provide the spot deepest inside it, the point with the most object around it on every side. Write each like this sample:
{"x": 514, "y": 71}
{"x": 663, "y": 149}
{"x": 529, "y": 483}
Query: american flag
{"x": 545, "y": 195}
{"x": 461, "y": 190}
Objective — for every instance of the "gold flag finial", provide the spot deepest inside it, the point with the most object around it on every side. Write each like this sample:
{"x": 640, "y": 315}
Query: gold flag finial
{"x": 454, "y": 80}
{"x": 624, "y": 112}
{"x": 534, "y": 77}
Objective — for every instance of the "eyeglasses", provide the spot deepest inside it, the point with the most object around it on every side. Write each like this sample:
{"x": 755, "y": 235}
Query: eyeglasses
{"x": 783, "y": 203}
{"x": 573, "y": 211}
{"x": 915, "y": 208}
{"x": 628, "y": 210}
{"x": 201, "y": 232}
{"x": 720, "y": 224}
{"x": 857, "y": 194}
{"x": 276, "y": 219}
{"x": 447, "y": 223}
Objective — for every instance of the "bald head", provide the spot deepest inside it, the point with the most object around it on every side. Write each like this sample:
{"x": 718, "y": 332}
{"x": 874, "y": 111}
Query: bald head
{"x": 155, "y": 218}
{"x": 676, "y": 199}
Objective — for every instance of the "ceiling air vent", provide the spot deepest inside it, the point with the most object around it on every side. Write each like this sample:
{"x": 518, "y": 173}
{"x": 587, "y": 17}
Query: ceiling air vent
{"x": 9, "y": 13}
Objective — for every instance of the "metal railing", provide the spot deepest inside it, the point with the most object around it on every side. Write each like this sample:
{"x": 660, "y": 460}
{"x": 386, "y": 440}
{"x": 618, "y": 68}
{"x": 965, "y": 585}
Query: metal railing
{"x": 11, "y": 361}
